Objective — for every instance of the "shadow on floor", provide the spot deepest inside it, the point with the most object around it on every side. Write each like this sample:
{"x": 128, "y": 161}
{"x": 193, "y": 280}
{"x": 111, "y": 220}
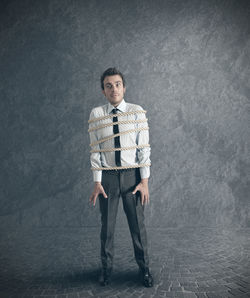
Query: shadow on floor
{"x": 86, "y": 278}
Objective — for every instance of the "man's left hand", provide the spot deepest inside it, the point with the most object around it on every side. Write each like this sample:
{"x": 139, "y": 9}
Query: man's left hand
{"x": 142, "y": 187}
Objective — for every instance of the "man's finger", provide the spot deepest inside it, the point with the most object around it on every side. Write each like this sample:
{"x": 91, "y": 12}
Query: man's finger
{"x": 135, "y": 190}
{"x": 95, "y": 198}
{"x": 104, "y": 194}
{"x": 142, "y": 198}
{"x": 91, "y": 198}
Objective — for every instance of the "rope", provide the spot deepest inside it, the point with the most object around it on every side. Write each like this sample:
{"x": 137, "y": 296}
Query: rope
{"x": 118, "y": 122}
{"x": 115, "y": 115}
{"x": 117, "y": 149}
{"x": 121, "y": 168}
{"x": 118, "y": 134}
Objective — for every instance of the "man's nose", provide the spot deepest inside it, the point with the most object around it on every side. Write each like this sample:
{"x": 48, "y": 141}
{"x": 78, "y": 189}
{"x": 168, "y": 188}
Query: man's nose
{"x": 113, "y": 88}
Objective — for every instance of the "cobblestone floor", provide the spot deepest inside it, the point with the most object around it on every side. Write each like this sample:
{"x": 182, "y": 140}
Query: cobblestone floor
{"x": 188, "y": 262}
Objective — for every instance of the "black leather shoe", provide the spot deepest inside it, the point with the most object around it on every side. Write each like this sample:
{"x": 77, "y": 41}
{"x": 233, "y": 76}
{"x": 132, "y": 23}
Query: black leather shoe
{"x": 104, "y": 278}
{"x": 147, "y": 278}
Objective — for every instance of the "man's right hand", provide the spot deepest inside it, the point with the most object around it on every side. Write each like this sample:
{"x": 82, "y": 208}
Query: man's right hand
{"x": 98, "y": 189}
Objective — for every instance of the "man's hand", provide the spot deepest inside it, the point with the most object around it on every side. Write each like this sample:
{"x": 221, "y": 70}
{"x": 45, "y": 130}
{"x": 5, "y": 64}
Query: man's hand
{"x": 142, "y": 187}
{"x": 98, "y": 189}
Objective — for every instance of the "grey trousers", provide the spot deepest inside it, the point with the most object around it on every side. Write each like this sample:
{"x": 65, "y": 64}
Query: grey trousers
{"x": 121, "y": 183}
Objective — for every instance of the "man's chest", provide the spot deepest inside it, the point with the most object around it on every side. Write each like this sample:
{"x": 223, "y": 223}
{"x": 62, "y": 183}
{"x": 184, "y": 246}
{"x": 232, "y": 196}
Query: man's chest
{"x": 127, "y": 124}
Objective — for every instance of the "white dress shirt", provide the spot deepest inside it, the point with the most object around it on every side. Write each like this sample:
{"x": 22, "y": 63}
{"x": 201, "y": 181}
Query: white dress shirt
{"x": 132, "y": 157}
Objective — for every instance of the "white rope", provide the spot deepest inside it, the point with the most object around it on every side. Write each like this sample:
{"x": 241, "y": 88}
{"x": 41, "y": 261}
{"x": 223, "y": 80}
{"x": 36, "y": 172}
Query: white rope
{"x": 118, "y": 149}
{"x": 118, "y": 134}
{"x": 116, "y": 123}
{"x": 115, "y": 115}
{"x": 121, "y": 168}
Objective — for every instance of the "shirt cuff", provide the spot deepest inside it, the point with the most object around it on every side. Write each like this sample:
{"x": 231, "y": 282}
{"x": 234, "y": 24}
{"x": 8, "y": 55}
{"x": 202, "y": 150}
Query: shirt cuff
{"x": 145, "y": 172}
{"x": 97, "y": 176}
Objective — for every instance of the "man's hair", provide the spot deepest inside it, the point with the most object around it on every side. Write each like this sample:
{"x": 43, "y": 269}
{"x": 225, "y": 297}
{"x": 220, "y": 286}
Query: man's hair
{"x": 111, "y": 72}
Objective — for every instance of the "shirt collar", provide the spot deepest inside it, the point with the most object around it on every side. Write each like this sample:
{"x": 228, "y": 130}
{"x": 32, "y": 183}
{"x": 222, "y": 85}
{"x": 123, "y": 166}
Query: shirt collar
{"x": 121, "y": 107}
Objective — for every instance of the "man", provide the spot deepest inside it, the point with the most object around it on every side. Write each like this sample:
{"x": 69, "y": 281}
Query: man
{"x": 120, "y": 159}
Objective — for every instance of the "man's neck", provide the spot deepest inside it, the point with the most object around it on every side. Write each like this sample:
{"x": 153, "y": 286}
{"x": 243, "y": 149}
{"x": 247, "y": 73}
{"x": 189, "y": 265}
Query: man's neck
{"x": 117, "y": 104}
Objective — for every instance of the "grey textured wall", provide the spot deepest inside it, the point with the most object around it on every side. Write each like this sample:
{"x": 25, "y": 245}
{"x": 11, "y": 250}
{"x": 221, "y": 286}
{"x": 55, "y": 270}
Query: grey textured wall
{"x": 186, "y": 63}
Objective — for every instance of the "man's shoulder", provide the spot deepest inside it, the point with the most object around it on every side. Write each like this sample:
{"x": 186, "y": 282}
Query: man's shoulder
{"x": 98, "y": 111}
{"x": 133, "y": 107}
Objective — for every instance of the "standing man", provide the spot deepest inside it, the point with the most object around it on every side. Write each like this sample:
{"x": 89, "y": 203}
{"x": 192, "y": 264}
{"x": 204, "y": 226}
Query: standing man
{"x": 120, "y": 160}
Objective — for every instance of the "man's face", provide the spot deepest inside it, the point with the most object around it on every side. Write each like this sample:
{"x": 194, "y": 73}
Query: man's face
{"x": 114, "y": 89}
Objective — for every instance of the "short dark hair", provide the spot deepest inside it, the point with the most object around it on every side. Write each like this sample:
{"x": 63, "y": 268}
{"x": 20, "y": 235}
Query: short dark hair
{"x": 111, "y": 72}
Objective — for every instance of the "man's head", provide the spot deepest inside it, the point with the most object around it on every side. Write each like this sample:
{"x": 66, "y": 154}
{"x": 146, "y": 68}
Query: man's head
{"x": 113, "y": 85}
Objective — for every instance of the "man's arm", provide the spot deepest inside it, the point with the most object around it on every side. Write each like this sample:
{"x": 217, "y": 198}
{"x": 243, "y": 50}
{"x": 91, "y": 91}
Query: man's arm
{"x": 95, "y": 157}
{"x": 95, "y": 160}
{"x": 143, "y": 158}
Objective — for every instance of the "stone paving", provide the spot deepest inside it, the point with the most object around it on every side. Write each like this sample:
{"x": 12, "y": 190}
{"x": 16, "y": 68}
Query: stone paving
{"x": 185, "y": 262}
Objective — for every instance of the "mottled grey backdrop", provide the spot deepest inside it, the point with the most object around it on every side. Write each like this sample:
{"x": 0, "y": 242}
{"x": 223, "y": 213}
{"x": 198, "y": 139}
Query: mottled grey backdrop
{"x": 186, "y": 63}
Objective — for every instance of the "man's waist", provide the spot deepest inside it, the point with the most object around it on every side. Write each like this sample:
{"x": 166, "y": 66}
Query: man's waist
{"x": 117, "y": 171}
{"x": 120, "y": 168}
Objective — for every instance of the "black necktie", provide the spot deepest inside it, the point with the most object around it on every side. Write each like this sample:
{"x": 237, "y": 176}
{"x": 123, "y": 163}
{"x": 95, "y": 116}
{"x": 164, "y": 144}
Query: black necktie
{"x": 117, "y": 140}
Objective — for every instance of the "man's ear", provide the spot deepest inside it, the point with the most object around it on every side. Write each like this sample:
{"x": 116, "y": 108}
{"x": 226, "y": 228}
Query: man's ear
{"x": 124, "y": 90}
{"x": 103, "y": 92}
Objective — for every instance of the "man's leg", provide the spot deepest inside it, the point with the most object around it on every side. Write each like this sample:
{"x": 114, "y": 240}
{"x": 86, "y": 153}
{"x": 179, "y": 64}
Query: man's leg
{"x": 108, "y": 209}
{"x": 135, "y": 216}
